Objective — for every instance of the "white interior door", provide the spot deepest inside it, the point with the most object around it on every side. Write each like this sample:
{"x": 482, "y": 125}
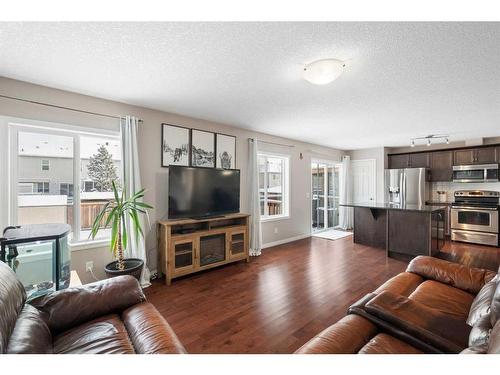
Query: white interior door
{"x": 364, "y": 178}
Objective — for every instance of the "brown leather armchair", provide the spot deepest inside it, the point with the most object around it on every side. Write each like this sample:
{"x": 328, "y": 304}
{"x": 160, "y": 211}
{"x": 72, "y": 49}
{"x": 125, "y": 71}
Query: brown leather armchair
{"x": 435, "y": 306}
{"x": 109, "y": 316}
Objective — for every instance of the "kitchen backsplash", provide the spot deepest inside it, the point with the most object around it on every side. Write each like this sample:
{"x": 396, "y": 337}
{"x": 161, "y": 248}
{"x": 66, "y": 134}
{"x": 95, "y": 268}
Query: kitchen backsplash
{"x": 451, "y": 187}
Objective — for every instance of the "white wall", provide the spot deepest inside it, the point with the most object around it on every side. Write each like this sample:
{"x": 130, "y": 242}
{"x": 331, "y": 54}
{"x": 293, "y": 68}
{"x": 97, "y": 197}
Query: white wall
{"x": 380, "y": 162}
{"x": 153, "y": 175}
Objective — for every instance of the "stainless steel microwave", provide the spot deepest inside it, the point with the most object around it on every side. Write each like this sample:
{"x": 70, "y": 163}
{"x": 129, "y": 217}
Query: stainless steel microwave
{"x": 475, "y": 173}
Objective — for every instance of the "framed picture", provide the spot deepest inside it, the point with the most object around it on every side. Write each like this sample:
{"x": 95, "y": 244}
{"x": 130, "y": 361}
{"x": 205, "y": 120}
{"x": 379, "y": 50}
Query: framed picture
{"x": 226, "y": 151}
{"x": 202, "y": 148}
{"x": 174, "y": 145}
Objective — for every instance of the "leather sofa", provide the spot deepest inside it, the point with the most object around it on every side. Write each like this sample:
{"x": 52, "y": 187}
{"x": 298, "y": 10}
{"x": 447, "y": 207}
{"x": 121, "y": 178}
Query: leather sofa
{"x": 109, "y": 316}
{"x": 435, "y": 306}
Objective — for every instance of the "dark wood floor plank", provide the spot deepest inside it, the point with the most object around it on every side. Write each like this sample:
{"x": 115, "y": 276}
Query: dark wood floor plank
{"x": 278, "y": 301}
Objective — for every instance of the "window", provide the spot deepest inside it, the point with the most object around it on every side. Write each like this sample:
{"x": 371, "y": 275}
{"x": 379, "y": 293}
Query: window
{"x": 88, "y": 186}
{"x": 45, "y": 164}
{"x": 26, "y": 188}
{"x": 66, "y": 189}
{"x": 273, "y": 186}
{"x": 69, "y": 160}
{"x": 42, "y": 187}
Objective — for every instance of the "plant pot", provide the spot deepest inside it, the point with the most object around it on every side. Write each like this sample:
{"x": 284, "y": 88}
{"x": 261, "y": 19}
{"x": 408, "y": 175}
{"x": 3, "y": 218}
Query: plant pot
{"x": 133, "y": 267}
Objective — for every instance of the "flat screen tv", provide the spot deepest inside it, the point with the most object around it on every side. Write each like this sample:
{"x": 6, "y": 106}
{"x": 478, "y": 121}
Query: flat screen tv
{"x": 202, "y": 192}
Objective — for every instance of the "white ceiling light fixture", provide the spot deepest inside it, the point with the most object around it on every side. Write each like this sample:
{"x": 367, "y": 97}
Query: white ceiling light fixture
{"x": 322, "y": 72}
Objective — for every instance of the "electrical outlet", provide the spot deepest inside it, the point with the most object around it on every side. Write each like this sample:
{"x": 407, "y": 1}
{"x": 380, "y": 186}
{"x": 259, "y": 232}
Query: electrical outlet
{"x": 89, "y": 266}
{"x": 275, "y": 230}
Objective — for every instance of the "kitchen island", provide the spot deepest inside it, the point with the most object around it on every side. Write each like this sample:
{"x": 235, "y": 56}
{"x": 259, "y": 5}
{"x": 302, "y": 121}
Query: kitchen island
{"x": 401, "y": 230}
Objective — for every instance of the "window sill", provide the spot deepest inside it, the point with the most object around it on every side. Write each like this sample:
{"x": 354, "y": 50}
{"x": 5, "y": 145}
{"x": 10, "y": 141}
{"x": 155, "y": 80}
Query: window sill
{"x": 85, "y": 245}
{"x": 274, "y": 218}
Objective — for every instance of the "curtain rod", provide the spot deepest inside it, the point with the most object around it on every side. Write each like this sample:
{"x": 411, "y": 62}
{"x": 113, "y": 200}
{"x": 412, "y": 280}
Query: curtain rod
{"x": 61, "y": 107}
{"x": 271, "y": 143}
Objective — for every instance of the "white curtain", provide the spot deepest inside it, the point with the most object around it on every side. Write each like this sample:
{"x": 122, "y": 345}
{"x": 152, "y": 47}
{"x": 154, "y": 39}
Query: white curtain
{"x": 136, "y": 248}
{"x": 346, "y": 214}
{"x": 253, "y": 199}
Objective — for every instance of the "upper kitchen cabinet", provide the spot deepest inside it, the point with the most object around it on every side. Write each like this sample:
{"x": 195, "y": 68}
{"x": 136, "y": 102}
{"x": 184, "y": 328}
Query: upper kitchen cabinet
{"x": 486, "y": 155}
{"x": 416, "y": 160}
{"x": 441, "y": 165}
{"x": 420, "y": 160}
{"x": 399, "y": 161}
{"x": 480, "y": 155}
{"x": 463, "y": 157}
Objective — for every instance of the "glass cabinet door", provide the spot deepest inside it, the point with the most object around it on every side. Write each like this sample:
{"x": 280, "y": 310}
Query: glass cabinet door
{"x": 183, "y": 254}
{"x": 237, "y": 244}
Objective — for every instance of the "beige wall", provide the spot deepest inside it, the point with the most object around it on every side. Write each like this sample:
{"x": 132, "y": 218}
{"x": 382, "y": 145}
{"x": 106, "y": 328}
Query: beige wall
{"x": 153, "y": 175}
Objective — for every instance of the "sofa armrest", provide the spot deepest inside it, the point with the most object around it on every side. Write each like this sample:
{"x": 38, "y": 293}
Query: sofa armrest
{"x": 347, "y": 336}
{"x": 149, "y": 331}
{"x": 70, "y": 307}
{"x": 457, "y": 275}
{"x": 425, "y": 323}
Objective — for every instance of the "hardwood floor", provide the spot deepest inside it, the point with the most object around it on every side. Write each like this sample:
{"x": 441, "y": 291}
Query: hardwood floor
{"x": 275, "y": 303}
{"x": 279, "y": 300}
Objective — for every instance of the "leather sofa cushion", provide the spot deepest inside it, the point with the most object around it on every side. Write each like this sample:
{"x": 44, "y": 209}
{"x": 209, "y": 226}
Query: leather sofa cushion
{"x": 482, "y": 349}
{"x": 444, "y": 298}
{"x": 441, "y": 330}
{"x": 386, "y": 344}
{"x": 482, "y": 302}
{"x": 495, "y": 306}
{"x": 480, "y": 332}
{"x": 70, "y": 307}
{"x": 347, "y": 336}
{"x": 457, "y": 275}
{"x": 31, "y": 334}
{"x": 149, "y": 332}
{"x": 494, "y": 341}
{"x": 12, "y": 298}
{"x": 106, "y": 334}
{"x": 403, "y": 284}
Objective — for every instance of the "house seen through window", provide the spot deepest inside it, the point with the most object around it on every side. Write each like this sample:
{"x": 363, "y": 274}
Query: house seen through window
{"x": 47, "y": 194}
{"x": 273, "y": 185}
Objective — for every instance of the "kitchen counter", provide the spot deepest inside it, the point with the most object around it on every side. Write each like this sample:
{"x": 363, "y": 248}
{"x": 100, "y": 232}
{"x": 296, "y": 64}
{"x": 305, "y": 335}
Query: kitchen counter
{"x": 401, "y": 230}
{"x": 437, "y": 203}
{"x": 393, "y": 206}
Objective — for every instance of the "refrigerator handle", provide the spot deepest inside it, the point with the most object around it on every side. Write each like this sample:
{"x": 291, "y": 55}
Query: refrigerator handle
{"x": 403, "y": 188}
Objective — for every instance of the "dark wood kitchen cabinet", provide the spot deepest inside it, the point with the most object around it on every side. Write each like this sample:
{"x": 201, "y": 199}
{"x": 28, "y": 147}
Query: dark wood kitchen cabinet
{"x": 479, "y": 155}
{"x": 463, "y": 157}
{"x": 416, "y": 160}
{"x": 399, "y": 161}
{"x": 442, "y": 166}
{"x": 420, "y": 160}
{"x": 486, "y": 155}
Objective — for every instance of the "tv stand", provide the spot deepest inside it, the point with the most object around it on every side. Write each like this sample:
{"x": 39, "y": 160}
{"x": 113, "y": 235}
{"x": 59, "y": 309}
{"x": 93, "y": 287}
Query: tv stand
{"x": 187, "y": 246}
{"x": 198, "y": 218}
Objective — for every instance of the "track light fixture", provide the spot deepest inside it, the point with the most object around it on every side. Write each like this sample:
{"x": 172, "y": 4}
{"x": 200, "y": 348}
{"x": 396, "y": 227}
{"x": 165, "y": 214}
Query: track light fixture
{"x": 429, "y": 139}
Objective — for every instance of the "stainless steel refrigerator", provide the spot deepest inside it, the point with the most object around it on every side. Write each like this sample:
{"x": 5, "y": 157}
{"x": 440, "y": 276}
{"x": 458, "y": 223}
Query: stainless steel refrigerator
{"x": 407, "y": 186}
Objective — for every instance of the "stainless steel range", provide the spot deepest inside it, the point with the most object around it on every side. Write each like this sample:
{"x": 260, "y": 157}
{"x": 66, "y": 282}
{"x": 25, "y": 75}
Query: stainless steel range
{"x": 474, "y": 217}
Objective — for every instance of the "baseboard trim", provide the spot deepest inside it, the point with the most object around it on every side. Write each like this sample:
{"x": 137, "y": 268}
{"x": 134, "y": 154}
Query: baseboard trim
{"x": 286, "y": 240}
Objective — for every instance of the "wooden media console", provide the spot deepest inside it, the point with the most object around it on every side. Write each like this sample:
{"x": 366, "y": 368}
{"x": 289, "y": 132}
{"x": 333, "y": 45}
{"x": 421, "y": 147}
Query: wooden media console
{"x": 188, "y": 245}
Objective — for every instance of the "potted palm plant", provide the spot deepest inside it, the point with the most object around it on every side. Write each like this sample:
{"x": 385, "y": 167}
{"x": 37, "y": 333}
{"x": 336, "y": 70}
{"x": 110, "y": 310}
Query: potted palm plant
{"x": 114, "y": 213}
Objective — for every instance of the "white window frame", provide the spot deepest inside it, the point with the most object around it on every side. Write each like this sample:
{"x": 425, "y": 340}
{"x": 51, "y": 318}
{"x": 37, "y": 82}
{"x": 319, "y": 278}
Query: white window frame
{"x": 286, "y": 186}
{"x": 47, "y": 164}
{"x": 20, "y": 125}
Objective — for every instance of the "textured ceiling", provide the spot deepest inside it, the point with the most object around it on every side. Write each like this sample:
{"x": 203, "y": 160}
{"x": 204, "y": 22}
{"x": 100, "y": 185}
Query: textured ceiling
{"x": 402, "y": 79}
